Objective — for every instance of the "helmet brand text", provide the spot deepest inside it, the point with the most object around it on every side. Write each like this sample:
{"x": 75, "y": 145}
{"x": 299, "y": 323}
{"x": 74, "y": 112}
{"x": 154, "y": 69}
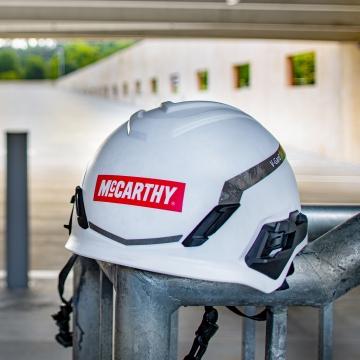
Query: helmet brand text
{"x": 139, "y": 191}
{"x": 275, "y": 160}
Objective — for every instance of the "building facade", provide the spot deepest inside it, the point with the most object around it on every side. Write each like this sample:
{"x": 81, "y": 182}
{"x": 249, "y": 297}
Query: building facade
{"x": 306, "y": 93}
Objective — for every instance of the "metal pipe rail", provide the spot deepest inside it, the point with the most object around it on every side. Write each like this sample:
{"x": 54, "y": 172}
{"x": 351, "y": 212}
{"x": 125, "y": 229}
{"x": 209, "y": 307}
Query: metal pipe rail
{"x": 145, "y": 303}
{"x": 323, "y": 218}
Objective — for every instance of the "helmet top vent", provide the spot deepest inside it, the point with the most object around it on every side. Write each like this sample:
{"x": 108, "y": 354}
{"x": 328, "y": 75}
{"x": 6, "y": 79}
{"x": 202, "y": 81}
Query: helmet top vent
{"x": 170, "y": 107}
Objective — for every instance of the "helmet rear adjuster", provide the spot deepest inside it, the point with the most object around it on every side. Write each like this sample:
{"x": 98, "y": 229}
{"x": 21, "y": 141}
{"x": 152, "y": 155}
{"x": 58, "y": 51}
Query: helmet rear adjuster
{"x": 276, "y": 243}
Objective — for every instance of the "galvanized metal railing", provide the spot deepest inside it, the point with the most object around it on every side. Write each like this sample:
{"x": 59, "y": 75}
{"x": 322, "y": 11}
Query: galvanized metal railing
{"x": 138, "y": 321}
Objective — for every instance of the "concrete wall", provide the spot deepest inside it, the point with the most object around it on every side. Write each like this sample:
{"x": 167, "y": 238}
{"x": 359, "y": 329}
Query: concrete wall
{"x": 318, "y": 119}
{"x": 350, "y": 100}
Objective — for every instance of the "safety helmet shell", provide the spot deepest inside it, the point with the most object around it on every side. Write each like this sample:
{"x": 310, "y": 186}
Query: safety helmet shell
{"x": 194, "y": 147}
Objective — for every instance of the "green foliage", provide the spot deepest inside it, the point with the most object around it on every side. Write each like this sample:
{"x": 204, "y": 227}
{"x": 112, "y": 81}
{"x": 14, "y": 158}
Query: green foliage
{"x": 9, "y": 62}
{"x": 53, "y": 68}
{"x": 35, "y": 68}
{"x": 203, "y": 80}
{"x": 9, "y": 75}
{"x": 49, "y": 63}
{"x": 242, "y": 75}
{"x": 78, "y": 55}
{"x": 303, "y": 69}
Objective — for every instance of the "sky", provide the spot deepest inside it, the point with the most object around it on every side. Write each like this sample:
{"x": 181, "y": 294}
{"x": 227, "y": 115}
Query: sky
{"x": 25, "y": 43}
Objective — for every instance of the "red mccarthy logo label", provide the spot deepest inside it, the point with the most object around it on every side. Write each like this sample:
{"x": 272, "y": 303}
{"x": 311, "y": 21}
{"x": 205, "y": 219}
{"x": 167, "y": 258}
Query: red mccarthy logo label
{"x": 139, "y": 191}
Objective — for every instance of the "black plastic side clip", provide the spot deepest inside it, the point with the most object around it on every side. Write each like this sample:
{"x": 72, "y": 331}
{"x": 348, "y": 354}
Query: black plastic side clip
{"x": 80, "y": 208}
{"x": 210, "y": 224}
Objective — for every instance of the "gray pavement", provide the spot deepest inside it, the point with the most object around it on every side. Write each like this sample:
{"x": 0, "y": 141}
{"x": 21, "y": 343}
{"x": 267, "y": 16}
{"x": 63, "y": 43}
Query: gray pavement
{"x": 26, "y": 330}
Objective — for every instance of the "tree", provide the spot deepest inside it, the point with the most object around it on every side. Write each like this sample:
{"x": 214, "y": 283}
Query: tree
{"x": 53, "y": 68}
{"x": 79, "y": 54}
{"x": 303, "y": 68}
{"x": 42, "y": 62}
{"x": 107, "y": 48}
{"x": 35, "y": 68}
{"x": 9, "y": 63}
{"x": 9, "y": 75}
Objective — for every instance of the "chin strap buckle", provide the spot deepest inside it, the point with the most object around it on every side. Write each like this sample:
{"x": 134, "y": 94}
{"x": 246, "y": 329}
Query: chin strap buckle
{"x": 62, "y": 318}
{"x": 203, "y": 334}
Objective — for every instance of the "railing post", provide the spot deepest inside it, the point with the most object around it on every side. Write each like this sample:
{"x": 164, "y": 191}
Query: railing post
{"x": 106, "y": 317}
{"x": 276, "y": 333}
{"x": 248, "y": 335}
{"x": 174, "y": 333}
{"x": 86, "y": 305}
{"x": 17, "y": 233}
{"x": 142, "y": 318}
{"x": 325, "y": 332}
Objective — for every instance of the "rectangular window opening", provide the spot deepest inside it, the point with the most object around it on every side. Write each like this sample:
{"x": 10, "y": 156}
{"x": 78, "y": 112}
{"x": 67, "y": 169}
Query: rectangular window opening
{"x": 115, "y": 90}
{"x": 202, "y": 80}
{"x": 241, "y": 75}
{"x": 138, "y": 87}
{"x": 125, "y": 89}
{"x": 174, "y": 83}
{"x": 302, "y": 69}
{"x": 154, "y": 85}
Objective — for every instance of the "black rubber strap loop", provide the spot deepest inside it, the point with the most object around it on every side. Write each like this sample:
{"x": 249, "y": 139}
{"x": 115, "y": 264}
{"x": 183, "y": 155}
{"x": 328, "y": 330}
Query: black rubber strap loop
{"x": 261, "y": 316}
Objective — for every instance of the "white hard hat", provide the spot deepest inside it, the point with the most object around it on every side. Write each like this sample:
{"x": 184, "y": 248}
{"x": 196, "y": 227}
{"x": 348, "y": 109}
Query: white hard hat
{"x": 195, "y": 189}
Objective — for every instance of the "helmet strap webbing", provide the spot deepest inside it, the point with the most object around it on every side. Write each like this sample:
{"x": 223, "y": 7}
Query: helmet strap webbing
{"x": 62, "y": 317}
{"x": 208, "y": 328}
{"x": 261, "y": 316}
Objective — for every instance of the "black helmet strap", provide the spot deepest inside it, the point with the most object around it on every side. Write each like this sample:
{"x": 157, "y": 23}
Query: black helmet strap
{"x": 62, "y": 317}
{"x": 209, "y": 327}
{"x": 261, "y": 316}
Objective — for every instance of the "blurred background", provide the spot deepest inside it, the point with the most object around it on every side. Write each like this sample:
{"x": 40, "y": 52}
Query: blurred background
{"x": 70, "y": 94}
{"x": 71, "y": 74}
